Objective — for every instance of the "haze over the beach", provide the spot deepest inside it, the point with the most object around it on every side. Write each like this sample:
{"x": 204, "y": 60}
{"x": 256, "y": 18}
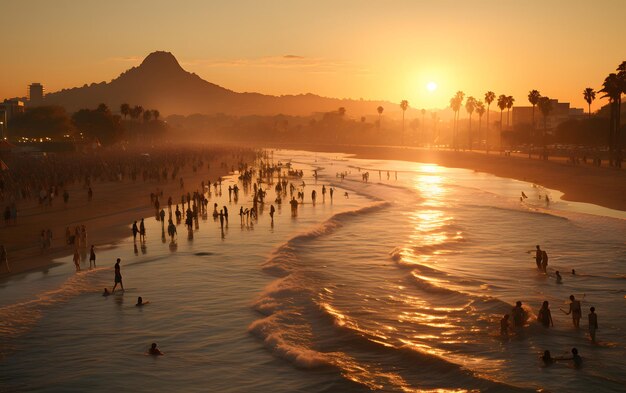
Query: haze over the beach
{"x": 346, "y": 49}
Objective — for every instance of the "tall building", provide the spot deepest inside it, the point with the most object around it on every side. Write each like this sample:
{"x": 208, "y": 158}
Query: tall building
{"x": 8, "y": 110}
{"x": 35, "y": 94}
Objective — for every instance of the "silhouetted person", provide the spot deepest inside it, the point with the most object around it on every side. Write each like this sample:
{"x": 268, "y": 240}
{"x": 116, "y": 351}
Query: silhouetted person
{"x": 575, "y": 310}
{"x": 559, "y": 279}
{"x": 593, "y": 323}
{"x": 118, "y": 276}
{"x": 538, "y": 257}
{"x": 142, "y": 231}
{"x": 544, "y": 261}
{"x": 140, "y": 302}
{"x": 92, "y": 256}
{"x": 545, "y": 316}
{"x": 504, "y": 325}
{"x": 519, "y": 315}
{"x": 547, "y": 358}
{"x": 154, "y": 351}
{"x": 135, "y": 231}
{"x": 106, "y": 292}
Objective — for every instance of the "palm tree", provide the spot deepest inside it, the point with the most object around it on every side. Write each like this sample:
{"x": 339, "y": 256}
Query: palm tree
{"x": 470, "y": 105}
{"x": 404, "y": 105}
{"x": 509, "y": 104}
{"x": 380, "y": 111}
{"x": 156, "y": 114}
{"x": 545, "y": 106}
{"x": 136, "y": 111}
{"x": 147, "y": 116}
{"x": 589, "y": 94}
{"x": 502, "y": 102}
{"x": 480, "y": 109}
{"x": 125, "y": 110}
{"x": 455, "y": 104}
{"x": 613, "y": 88}
{"x": 489, "y": 97}
{"x": 533, "y": 98}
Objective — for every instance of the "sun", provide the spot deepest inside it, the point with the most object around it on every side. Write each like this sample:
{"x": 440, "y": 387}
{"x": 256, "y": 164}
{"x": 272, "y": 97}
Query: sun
{"x": 431, "y": 86}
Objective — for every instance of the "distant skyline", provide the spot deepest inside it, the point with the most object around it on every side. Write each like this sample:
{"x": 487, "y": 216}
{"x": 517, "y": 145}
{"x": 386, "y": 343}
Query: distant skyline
{"x": 348, "y": 49}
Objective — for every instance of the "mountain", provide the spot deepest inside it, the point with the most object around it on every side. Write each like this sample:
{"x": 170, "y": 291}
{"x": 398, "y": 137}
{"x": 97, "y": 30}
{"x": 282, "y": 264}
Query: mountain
{"x": 161, "y": 83}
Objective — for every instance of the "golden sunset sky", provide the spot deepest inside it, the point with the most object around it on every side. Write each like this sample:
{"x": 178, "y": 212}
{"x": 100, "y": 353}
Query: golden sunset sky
{"x": 344, "y": 48}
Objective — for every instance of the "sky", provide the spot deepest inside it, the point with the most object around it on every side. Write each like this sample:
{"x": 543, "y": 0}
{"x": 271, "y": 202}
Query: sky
{"x": 355, "y": 49}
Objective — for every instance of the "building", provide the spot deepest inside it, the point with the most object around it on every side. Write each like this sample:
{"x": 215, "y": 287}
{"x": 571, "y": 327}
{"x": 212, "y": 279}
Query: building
{"x": 8, "y": 110}
{"x": 35, "y": 94}
{"x": 561, "y": 112}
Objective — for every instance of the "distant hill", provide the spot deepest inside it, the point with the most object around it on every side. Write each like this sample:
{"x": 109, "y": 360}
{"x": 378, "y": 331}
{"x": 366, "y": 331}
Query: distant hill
{"x": 161, "y": 83}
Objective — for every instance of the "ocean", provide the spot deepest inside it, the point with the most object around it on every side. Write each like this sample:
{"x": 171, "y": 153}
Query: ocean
{"x": 396, "y": 284}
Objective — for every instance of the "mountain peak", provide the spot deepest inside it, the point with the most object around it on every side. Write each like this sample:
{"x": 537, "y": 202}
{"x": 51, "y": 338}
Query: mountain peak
{"x": 162, "y": 61}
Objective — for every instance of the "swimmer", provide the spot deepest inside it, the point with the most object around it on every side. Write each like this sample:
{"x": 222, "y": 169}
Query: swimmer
{"x": 155, "y": 351}
{"x": 573, "y": 272}
{"x": 559, "y": 279}
{"x": 345, "y": 194}
{"x": 519, "y": 315}
{"x": 140, "y": 302}
{"x": 578, "y": 361}
{"x": 547, "y": 358}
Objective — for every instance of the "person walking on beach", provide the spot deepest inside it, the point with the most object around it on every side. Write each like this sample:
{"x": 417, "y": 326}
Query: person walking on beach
{"x": 142, "y": 231}
{"x": 135, "y": 231}
{"x": 76, "y": 259}
{"x": 118, "y": 276}
{"x": 575, "y": 310}
{"x": 3, "y": 258}
{"x": 272, "y": 210}
{"x": 92, "y": 256}
{"x": 593, "y": 324}
{"x": 545, "y": 316}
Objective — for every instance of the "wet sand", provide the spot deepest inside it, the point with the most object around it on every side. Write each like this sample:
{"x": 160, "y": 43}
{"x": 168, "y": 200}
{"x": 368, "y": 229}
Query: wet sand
{"x": 579, "y": 183}
{"x": 108, "y": 217}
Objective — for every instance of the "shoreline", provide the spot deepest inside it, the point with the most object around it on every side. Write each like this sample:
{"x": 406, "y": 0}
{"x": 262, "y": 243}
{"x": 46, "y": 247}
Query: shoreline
{"x": 108, "y": 217}
{"x": 600, "y": 186}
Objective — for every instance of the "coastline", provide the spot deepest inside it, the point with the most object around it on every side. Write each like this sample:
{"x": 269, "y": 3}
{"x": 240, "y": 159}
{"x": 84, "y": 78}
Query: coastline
{"x": 585, "y": 183}
{"x": 108, "y": 217}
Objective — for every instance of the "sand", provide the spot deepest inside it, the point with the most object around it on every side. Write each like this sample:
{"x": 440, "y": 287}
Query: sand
{"x": 108, "y": 217}
{"x": 579, "y": 183}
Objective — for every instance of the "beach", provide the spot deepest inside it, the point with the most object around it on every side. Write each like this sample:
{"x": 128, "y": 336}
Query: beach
{"x": 397, "y": 283}
{"x": 579, "y": 183}
{"x": 107, "y": 217}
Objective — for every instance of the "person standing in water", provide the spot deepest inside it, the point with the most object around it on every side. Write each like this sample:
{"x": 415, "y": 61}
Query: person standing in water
{"x": 118, "y": 276}
{"x": 519, "y": 315}
{"x": 504, "y": 326}
{"x": 92, "y": 256}
{"x": 575, "y": 310}
{"x": 544, "y": 261}
{"x": 538, "y": 257}
{"x": 545, "y": 316}
{"x": 593, "y": 324}
{"x": 272, "y": 210}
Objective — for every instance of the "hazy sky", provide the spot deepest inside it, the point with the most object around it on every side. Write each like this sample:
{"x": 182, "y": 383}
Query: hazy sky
{"x": 342, "y": 48}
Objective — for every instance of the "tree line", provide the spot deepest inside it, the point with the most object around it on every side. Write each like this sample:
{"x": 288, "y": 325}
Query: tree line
{"x": 99, "y": 124}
